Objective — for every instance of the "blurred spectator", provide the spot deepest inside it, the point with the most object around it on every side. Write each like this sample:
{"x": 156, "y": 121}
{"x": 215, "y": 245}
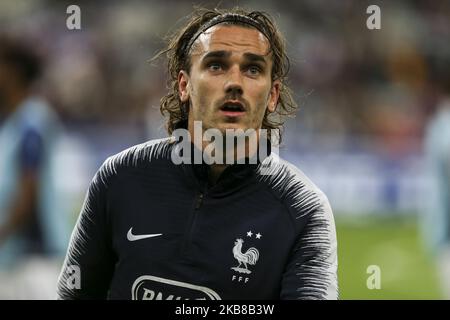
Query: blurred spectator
{"x": 33, "y": 228}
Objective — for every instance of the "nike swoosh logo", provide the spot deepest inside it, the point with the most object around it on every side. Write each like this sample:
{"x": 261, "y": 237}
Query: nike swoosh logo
{"x": 132, "y": 237}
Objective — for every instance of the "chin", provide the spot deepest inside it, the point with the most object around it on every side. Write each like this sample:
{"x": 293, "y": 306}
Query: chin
{"x": 234, "y": 126}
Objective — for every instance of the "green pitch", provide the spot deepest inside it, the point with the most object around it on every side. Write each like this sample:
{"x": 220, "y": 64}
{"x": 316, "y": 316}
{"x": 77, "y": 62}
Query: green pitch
{"x": 393, "y": 244}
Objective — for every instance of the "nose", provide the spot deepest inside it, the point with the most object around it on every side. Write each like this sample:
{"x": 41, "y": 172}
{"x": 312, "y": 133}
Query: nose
{"x": 233, "y": 84}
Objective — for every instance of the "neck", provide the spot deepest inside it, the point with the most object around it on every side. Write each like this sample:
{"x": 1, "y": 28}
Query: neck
{"x": 235, "y": 152}
{"x": 215, "y": 172}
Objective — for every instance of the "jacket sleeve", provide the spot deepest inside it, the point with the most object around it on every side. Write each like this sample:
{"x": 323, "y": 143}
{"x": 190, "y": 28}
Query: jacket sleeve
{"x": 89, "y": 264}
{"x": 311, "y": 272}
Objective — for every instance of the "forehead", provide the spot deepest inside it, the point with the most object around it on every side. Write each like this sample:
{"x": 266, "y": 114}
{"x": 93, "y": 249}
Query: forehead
{"x": 238, "y": 39}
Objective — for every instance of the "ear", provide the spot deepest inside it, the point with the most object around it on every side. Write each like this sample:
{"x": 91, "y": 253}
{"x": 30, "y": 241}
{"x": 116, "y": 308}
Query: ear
{"x": 274, "y": 95}
{"x": 183, "y": 83}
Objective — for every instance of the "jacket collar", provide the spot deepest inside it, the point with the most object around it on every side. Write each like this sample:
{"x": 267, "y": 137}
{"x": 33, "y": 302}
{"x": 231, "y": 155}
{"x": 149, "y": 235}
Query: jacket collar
{"x": 233, "y": 178}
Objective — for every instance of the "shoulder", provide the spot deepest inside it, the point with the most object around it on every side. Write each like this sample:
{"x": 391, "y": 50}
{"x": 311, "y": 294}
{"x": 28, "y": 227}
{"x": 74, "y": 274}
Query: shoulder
{"x": 292, "y": 187}
{"x": 137, "y": 156}
{"x": 37, "y": 113}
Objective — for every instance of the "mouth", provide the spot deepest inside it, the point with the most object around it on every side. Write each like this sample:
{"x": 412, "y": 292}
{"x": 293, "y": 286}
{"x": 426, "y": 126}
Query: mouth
{"x": 232, "y": 109}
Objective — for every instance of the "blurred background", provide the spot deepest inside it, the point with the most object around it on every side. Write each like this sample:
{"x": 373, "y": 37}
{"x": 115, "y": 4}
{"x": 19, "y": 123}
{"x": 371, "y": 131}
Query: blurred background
{"x": 371, "y": 130}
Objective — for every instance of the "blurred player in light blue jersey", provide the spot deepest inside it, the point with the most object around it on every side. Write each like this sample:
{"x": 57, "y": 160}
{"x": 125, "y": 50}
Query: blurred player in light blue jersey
{"x": 33, "y": 223}
{"x": 437, "y": 149}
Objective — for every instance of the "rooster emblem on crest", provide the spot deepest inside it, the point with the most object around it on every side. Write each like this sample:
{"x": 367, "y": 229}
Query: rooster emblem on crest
{"x": 251, "y": 256}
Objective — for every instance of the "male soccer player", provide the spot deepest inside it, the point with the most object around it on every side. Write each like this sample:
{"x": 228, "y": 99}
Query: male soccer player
{"x": 33, "y": 228}
{"x": 154, "y": 228}
{"x": 436, "y": 217}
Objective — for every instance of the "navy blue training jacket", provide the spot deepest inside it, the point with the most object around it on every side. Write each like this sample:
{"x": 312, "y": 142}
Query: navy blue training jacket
{"x": 153, "y": 230}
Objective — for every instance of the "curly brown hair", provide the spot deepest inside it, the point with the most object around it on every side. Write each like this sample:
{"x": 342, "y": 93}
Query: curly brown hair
{"x": 178, "y": 55}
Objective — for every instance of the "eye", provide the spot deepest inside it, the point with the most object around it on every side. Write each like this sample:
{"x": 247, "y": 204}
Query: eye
{"x": 214, "y": 66}
{"x": 254, "y": 70}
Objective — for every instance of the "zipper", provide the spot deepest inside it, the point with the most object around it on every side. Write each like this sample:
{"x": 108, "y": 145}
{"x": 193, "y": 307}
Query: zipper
{"x": 198, "y": 203}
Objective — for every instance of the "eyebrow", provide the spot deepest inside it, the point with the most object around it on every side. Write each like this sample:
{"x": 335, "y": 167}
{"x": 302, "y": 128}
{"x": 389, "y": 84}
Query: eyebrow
{"x": 225, "y": 54}
{"x": 255, "y": 57}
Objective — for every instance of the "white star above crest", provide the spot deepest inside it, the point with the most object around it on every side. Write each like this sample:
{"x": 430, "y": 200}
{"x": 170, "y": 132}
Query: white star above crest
{"x": 249, "y": 234}
{"x": 258, "y": 235}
